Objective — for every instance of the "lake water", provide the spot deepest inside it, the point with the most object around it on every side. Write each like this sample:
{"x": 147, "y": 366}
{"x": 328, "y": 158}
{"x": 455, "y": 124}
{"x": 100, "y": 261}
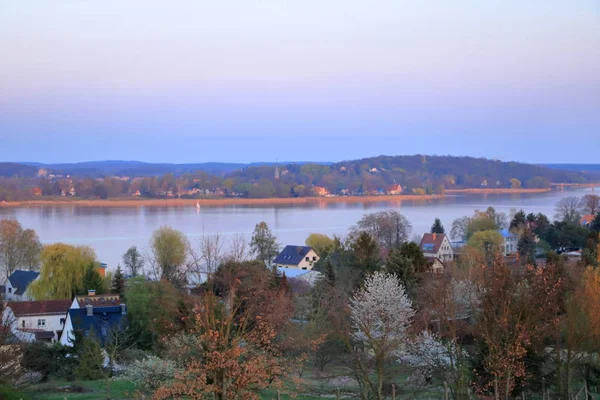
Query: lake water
{"x": 110, "y": 231}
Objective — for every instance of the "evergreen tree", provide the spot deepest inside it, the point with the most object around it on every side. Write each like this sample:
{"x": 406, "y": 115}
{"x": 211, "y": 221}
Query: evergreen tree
{"x": 264, "y": 244}
{"x": 118, "y": 283}
{"x": 90, "y": 365}
{"x": 595, "y": 225}
{"x": 527, "y": 247}
{"x": 412, "y": 251}
{"x": 92, "y": 280}
{"x": 518, "y": 221}
{"x": 437, "y": 227}
{"x": 403, "y": 268}
{"x": 329, "y": 273}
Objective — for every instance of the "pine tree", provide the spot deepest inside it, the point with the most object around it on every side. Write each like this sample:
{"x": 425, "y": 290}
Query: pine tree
{"x": 92, "y": 280}
{"x": 90, "y": 364}
{"x": 118, "y": 283}
{"x": 437, "y": 227}
{"x": 329, "y": 273}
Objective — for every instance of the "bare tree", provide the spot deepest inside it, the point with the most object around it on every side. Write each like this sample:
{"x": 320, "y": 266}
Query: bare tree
{"x": 207, "y": 259}
{"x": 568, "y": 209}
{"x": 590, "y": 204}
{"x": 381, "y": 313}
{"x": 11, "y": 350}
{"x": 238, "y": 249}
{"x": 134, "y": 261}
{"x": 389, "y": 228}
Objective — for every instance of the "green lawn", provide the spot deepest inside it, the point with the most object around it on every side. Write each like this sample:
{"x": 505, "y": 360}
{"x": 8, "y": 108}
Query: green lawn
{"x": 92, "y": 390}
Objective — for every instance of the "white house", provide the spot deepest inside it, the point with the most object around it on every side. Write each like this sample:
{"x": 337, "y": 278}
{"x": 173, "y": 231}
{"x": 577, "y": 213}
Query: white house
{"x": 300, "y": 257}
{"x": 36, "y": 320}
{"x": 511, "y": 242}
{"x": 437, "y": 246}
{"x": 17, "y": 284}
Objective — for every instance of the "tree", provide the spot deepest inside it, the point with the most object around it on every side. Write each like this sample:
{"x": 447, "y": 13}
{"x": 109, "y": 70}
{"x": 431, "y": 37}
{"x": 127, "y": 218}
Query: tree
{"x": 568, "y": 209}
{"x": 329, "y": 273}
{"x": 403, "y": 268}
{"x": 515, "y": 183}
{"x": 237, "y": 354}
{"x": 19, "y": 248}
{"x": 518, "y": 221}
{"x": 169, "y": 255}
{"x": 488, "y": 243}
{"x": 460, "y": 227}
{"x": 389, "y": 228}
{"x": 527, "y": 247}
{"x": 90, "y": 365}
{"x": 590, "y": 204}
{"x": 62, "y": 273}
{"x": 154, "y": 310}
{"x": 321, "y": 243}
{"x": 412, "y": 251}
{"x": 133, "y": 261}
{"x": 437, "y": 227}
{"x": 92, "y": 280}
{"x": 264, "y": 244}
{"x": 365, "y": 255}
{"x": 118, "y": 282}
{"x": 381, "y": 313}
{"x": 595, "y": 225}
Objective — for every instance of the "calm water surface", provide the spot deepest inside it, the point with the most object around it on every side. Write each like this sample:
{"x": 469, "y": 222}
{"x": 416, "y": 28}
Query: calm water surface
{"x": 110, "y": 231}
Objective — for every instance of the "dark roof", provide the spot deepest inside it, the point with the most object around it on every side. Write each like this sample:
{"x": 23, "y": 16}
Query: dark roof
{"x": 432, "y": 242}
{"x": 21, "y": 279}
{"x": 292, "y": 255}
{"x": 45, "y": 307}
{"x": 104, "y": 318}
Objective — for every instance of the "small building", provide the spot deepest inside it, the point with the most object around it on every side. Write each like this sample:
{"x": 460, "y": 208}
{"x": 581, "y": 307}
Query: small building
{"x": 437, "y": 266}
{"x": 511, "y": 242}
{"x": 587, "y": 219}
{"x": 437, "y": 246}
{"x": 17, "y": 284}
{"x": 300, "y": 257}
{"x": 99, "y": 315}
{"x": 394, "y": 190}
{"x": 36, "y": 320}
{"x": 101, "y": 268}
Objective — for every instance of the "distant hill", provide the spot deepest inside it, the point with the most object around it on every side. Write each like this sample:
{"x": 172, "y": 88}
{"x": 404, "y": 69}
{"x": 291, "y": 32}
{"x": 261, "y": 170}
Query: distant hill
{"x": 95, "y": 169}
{"x": 10, "y": 170}
{"x": 575, "y": 167}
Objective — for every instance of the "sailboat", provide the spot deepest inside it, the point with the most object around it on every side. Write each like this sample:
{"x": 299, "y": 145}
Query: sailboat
{"x": 197, "y": 205}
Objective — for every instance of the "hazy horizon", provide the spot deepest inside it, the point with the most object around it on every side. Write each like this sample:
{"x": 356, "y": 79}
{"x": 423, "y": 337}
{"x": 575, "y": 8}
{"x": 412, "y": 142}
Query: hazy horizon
{"x": 245, "y": 82}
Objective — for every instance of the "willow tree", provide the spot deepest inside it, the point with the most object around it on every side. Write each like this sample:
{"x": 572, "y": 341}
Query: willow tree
{"x": 63, "y": 271}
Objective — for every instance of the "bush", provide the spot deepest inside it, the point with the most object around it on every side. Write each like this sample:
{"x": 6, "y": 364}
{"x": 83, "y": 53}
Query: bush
{"x": 56, "y": 360}
{"x": 91, "y": 360}
{"x": 152, "y": 372}
{"x": 8, "y": 392}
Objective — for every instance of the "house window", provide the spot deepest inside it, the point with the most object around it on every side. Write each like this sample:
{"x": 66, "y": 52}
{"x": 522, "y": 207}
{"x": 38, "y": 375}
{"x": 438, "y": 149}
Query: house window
{"x": 314, "y": 258}
{"x": 303, "y": 267}
{"x": 9, "y": 290}
{"x": 41, "y": 322}
{"x": 62, "y": 321}
{"x": 307, "y": 258}
{"x": 23, "y": 323}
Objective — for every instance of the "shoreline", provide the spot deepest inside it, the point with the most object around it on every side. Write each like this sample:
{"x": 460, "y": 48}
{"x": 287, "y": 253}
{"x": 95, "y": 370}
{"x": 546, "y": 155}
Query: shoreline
{"x": 136, "y": 202}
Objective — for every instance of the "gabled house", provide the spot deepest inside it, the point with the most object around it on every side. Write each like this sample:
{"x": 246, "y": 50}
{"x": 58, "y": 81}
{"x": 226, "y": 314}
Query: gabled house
{"x": 394, "y": 190}
{"x": 36, "y": 320}
{"x": 17, "y": 284}
{"x": 300, "y": 257}
{"x": 437, "y": 246}
{"x": 587, "y": 219}
{"x": 95, "y": 314}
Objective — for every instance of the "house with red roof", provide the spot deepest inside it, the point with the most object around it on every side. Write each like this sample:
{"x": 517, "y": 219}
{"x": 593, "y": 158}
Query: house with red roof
{"x": 437, "y": 246}
{"x": 36, "y": 320}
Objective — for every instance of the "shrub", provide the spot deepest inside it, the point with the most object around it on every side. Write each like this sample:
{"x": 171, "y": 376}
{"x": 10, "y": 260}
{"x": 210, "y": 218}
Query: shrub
{"x": 8, "y": 392}
{"x": 39, "y": 357}
{"x": 152, "y": 372}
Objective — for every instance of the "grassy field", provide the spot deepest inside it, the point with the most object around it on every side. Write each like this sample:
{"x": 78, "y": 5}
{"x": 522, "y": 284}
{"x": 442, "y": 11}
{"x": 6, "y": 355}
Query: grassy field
{"x": 87, "y": 390}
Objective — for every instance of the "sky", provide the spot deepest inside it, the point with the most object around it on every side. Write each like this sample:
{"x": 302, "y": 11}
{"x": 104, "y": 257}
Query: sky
{"x": 242, "y": 81}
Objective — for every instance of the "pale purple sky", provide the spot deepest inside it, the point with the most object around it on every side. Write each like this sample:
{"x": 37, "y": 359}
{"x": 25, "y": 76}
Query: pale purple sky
{"x": 241, "y": 81}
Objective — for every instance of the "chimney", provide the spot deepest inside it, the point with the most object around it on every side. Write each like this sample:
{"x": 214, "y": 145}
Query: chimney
{"x": 123, "y": 309}
{"x": 91, "y": 292}
{"x": 90, "y": 310}
{"x": 434, "y": 235}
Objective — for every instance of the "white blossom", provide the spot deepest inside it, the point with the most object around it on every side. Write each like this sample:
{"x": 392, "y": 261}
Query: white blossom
{"x": 381, "y": 312}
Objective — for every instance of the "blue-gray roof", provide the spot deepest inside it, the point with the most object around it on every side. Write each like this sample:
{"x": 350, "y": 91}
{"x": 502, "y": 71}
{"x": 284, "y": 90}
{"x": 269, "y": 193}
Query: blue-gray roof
{"x": 21, "y": 279}
{"x": 292, "y": 255}
{"x": 506, "y": 233}
{"x": 102, "y": 320}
